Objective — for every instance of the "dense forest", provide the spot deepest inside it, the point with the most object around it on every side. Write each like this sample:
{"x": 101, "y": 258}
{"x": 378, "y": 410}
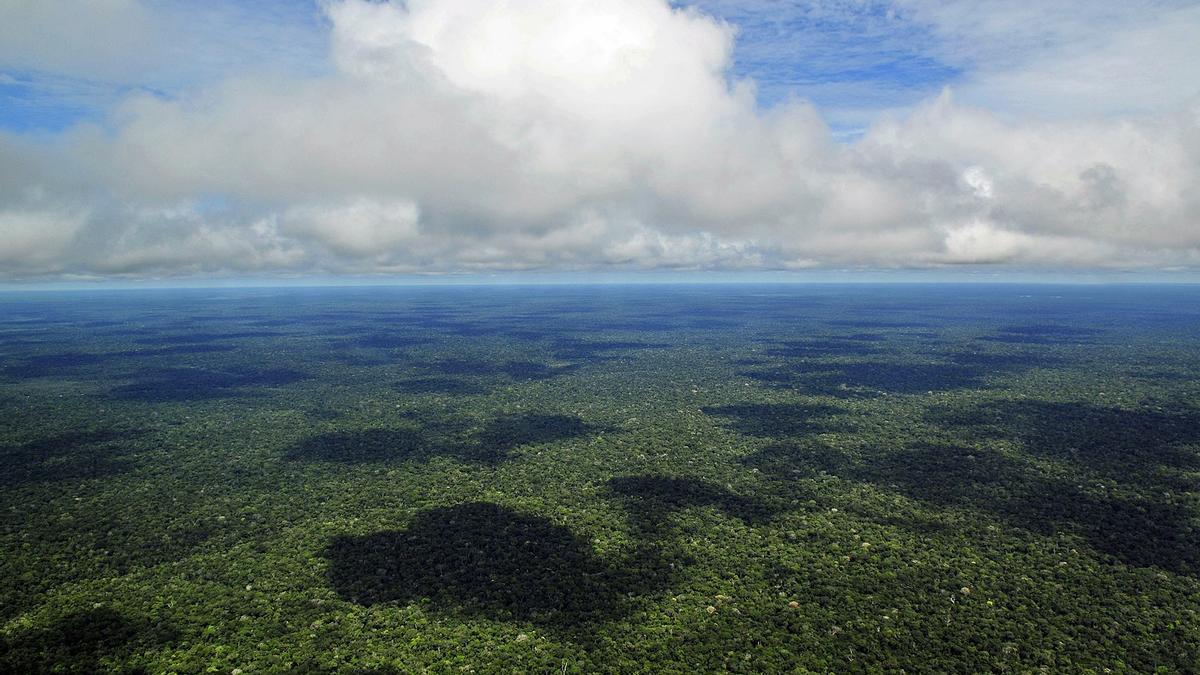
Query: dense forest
{"x": 601, "y": 479}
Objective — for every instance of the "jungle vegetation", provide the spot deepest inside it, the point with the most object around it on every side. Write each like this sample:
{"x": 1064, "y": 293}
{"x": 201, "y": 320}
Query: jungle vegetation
{"x": 743, "y": 478}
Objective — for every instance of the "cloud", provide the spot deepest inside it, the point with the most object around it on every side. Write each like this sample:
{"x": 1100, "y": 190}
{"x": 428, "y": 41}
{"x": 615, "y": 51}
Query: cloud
{"x": 1067, "y": 59}
{"x": 158, "y": 44}
{"x": 852, "y": 58}
{"x": 36, "y": 239}
{"x": 1060, "y": 60}
{"x": 357, "y": 228}
{"x": 66, "y": 62}
{"x": 98, "y": 37}
{"x": 471, "y": 135}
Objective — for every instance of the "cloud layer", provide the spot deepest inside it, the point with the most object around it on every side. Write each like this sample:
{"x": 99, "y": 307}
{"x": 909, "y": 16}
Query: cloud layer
{"x": 479, "y": 135}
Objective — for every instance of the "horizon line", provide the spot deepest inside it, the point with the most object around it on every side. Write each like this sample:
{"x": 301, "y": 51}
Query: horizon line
{"x": 108, "y": 286}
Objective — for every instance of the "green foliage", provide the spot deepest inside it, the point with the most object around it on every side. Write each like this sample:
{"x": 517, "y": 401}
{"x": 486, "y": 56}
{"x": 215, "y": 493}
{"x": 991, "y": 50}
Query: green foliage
{"x": 631, "y": 480}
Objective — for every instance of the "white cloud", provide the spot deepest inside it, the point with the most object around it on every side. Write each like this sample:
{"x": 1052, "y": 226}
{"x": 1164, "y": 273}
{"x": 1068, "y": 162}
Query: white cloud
{"x": 1069, "y": 58}
{"x": 158, "y": 43}
{"x": 360, "y": 227}
{"x": 37, "y": 239}
{"x": 979, "y": 182}
{"x": 1051, "y": 60}
{"x": 80, "y": 56}
{"x": 97, "y": 38}
{"x": 460, "y": 135}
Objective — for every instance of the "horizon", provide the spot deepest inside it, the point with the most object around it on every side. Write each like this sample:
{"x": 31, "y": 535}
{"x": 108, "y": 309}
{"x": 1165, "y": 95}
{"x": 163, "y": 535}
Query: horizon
{"x": 642, "y": 280}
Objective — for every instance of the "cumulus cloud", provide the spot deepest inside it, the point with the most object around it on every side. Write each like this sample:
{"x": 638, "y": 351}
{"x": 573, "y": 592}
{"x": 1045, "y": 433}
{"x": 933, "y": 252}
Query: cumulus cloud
{"x": 358, "y": 228}
{"x": 36, "y": 238}
{"x": 467, "y": 135}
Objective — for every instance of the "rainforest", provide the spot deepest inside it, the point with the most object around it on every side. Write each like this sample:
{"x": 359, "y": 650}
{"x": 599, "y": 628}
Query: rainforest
{"x": 601, "y": 478}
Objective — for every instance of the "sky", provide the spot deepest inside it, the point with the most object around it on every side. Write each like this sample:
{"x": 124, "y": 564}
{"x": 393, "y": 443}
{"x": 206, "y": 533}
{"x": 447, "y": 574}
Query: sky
{"x": 164, "y": 140}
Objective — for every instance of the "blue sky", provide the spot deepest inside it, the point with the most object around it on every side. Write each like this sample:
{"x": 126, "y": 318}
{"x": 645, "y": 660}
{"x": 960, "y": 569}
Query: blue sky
{"x": 852, "y": 61}
{"x": 193, "y": 44}
{"x": 164, "y": 140}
